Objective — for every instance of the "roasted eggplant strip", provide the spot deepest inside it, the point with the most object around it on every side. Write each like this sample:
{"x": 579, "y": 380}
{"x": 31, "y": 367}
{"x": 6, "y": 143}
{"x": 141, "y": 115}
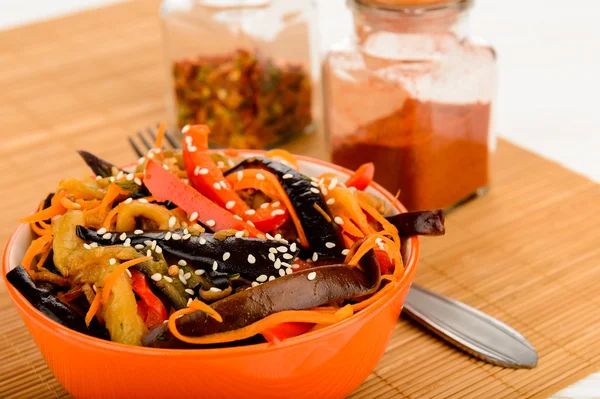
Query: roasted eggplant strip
{"x": 298, "y": 188}
{"x": 426, "y": 223}
{"x": 248, "y": 257}
{"x": 99, "y": 166}
{"x": 305, "y": 289}
{"x": 49, "y": 304}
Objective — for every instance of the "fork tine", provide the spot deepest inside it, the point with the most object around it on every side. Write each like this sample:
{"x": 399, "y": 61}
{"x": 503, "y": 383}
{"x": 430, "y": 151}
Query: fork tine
{"x": 144, "y": 141}
{"x": 171, "y": 140}
{"x": 135, "y": 147}
{"x": 151, "y": 133}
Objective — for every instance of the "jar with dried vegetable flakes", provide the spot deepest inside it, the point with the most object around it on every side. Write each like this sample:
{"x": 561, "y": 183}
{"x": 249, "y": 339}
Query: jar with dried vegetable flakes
{"x": 242, "y": 67}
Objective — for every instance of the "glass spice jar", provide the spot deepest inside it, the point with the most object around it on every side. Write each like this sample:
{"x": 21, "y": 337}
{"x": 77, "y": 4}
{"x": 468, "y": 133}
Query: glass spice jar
{"x": 412, "y": 93}
{"x": 242, "y": 67}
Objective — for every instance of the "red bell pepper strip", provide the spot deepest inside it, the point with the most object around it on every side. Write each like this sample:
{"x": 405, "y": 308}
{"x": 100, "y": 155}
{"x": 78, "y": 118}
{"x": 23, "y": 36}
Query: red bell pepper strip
{"x": 385, "y": 263}
{"x": 150, "y": 308}
{"x": 164, "y": 186}
{"x": 208, "y": 179}
{"x": 362, "y": 177}
{"x": 285, "y": 330}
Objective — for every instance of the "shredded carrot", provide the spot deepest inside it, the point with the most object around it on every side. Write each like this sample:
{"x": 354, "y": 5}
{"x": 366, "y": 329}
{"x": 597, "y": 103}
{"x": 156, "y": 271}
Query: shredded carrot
{"x": 160, "y": 135}
{"x": 372, "y": 299}
{"x": 387, "y": 226}
{"x": 41, "y": 230}
{"x": 283, "y": 155}
{"x": 107, "y": 224}
{"x": 37, "y": 247}
{"x": 44, "y": 256}
{"x": 283, "y": 197}
{"x": 391, "y": 248}
{"x": 250, "y": 182}
{"x": 95, "y": 305}
{"x": 110, "y": 280}
{"x": 201, "y": 306}
{"x": 50, "y": 277}
{"x": 322, "y": 212}
{"x": 56, "y": 208}
{"x": 95, "y": 217}
{"x": 68, "y": 204}
{"x": 300, "y": 316}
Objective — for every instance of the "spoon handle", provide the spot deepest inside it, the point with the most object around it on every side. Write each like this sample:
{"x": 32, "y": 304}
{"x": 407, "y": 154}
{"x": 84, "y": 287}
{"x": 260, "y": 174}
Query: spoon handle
{"x": 469, "y": 329}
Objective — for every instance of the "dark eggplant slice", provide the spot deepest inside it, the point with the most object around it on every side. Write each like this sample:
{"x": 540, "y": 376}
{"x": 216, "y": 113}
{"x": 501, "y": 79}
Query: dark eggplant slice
{"x": 298, "y": 188}
{"x": 426, "y": 223}
{"x": 248, "y": 257}
{"x": 99, "y": 166}
{"x": 49, "y": 305}
{"x": 301, "y": 290}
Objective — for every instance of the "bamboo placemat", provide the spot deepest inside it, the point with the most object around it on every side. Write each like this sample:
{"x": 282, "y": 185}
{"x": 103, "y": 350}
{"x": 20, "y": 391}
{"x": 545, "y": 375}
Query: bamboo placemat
{"x": 527, "y": 253}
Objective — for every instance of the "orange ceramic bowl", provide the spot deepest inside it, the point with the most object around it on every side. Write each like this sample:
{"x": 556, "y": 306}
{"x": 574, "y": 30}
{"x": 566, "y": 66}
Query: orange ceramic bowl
{"x": 327, "y": 363}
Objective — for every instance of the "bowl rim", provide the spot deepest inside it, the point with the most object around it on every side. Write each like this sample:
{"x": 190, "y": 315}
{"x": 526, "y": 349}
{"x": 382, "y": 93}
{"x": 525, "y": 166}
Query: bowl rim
{"x": 55, "y": 328}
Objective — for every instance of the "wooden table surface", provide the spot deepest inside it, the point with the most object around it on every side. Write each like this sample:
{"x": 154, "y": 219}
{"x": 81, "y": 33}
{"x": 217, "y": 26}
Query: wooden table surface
{"x": 527, "y": 253}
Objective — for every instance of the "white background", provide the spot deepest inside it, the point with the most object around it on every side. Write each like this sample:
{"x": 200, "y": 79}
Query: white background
{"x": 549, "y": 68}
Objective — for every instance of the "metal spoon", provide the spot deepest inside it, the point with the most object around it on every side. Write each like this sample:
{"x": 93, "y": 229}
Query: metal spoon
{"x": 469, "y": 329}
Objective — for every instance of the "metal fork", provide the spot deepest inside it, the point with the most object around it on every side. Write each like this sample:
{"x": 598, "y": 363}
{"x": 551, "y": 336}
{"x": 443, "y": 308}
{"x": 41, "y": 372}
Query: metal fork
{"x": 148, "y": 142}
{"x": 466, "y": 328}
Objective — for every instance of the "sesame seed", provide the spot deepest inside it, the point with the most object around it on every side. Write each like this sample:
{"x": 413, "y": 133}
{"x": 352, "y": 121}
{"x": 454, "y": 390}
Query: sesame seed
{"x": 176, "y": 236}
{"x": 239, "y": 234}
{"x": 158, "y": 250}
{"x": 165, "y": 167}
{"x": 187, "y": 236}
{"x": 143, "y": 201}
{"x": 94, "y": 245}
{"x": 215, "y": 266}
{"x": 250, "y": 222}
{"x": 262, "y": 278}
{"x": 180, "y": 272}
{"x": 87, "y": 246}
{"x": 315, "y": 190}
{"x": 273, "y": 250}
{"x": 338, "y": 220}
{"x": 217, "y": 186}
{"x": 184, "y": 130}
{"x": 269, "y": 236}
{"x": 288, "y": 256}
{"x": 251, "y": 259}
{"x": 331, "y": 201}
{"x": 148, "y": 253}
{"x": 141, "y": 160}
{"x": 187, "y": 275}
{"x": 168, "y": 236}
{"x": 333, "y": 183}
{"x": 285, "y": 264}
{"x": 281, "y": 272}
{"x": 199, "y": 272}
{"x": 202, "y": 241}
{"x": 101, "y": 231}
{"x": 192, "y": 148}
{"x": 271, "y": 278}
{"x": 123, "y": 236}
{"x": 203, "y": 171}
{"x": 345, "y": 252}
{"x": 288, "y": 270}
{"x": 287, "y": 176}
{"x": 250, "y": 212}
{"x": 275, "y": 204}
{"x": 314, "y": 184}
{"x": 98, "y": 177}
{"x": 139, "y": 246}
{"x": 278, "y": 212}
{"x": 265, "y": 205}
{"x": 172, "y": 221}
{"x": 168, "y": 279}
{"x": 193, "y": 216}
{"x": 128, "y": 201}
{"x": 215, "y": 289}
{"x": 128, "y": 273}
{"x": 138, "y": 231}
{"x": 153, "y": 245}
{"x": 112, "y": 179}
{"x": 189, "y": 302}
{"x": 137, "y": 181}
{"x": 127, "y": 242}
{"x": 315, "y": 257}
{"x": 196, "y": 170}
{"x": 226, "y": 256}
{"x": 271, "y": 257}
{"x": 223, "y": 184}
{"x": 255, "y": 284}
{"x": 230, "y": 162}
{"x": 330, "y": 245}
{"x": 107, "y": 236}
{"x": 293, "y": 247}
{"x": 112, "y": 261}
{"x": 277, "y": 264}
{"x": 260, "y": 176}
{"x": 148, "y": 243}
{"x": 188, "y": 140}
{"x": 183, "y": 280}
{"x": 312, "y": 275}
{"x": 378, "y": 240}
{"x": 182, "y": 262}
{"x": 237, "y": 217}
{"x": 94, "y": 288}
{"x": 189, "y": 291}
{"x": 210, "y": 223}
{"x": 220, "y": 164}
{"x": 324, "y": 190}
{"x": 282, "y": 248}
{"x": 156, "y": 277}
{"x": 130, "y": 176}
{"x": 230, "y": 204}
{"x": 120, "y": 175}
{"x": 295, "y": 266}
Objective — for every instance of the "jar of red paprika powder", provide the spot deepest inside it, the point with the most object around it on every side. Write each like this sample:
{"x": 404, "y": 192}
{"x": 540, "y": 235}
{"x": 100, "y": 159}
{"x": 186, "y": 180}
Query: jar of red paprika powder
{"x": 412, "y": 93}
